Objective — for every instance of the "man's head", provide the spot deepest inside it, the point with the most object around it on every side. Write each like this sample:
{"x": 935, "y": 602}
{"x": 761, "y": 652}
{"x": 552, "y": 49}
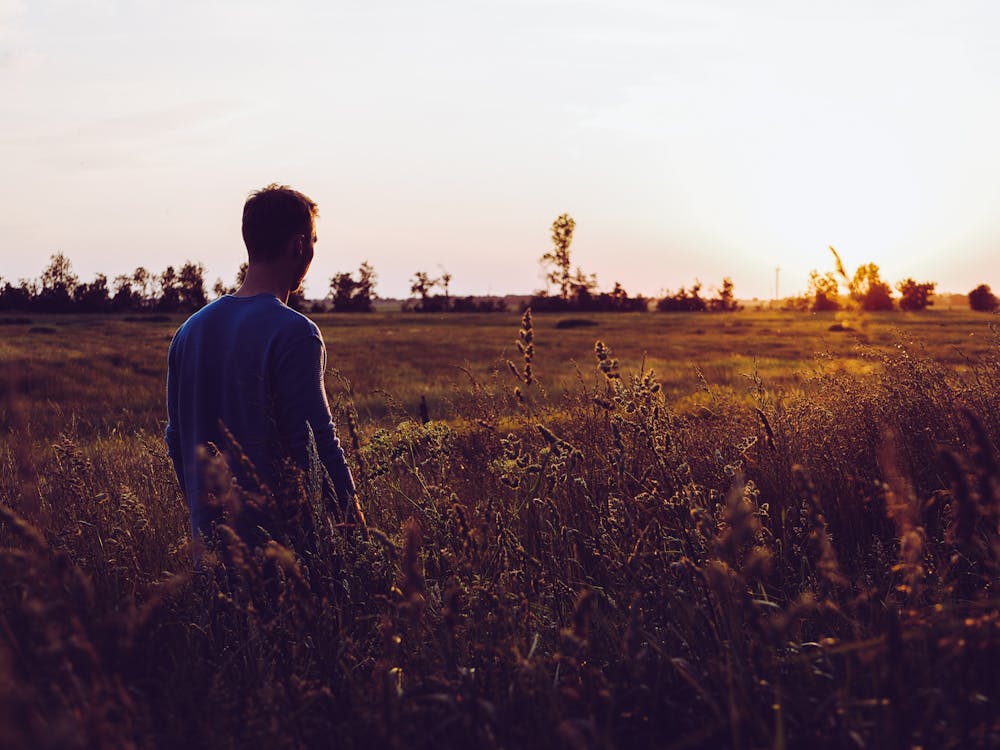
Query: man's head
{"x": 273, "y": 217}
{"x": 279, "y": 224}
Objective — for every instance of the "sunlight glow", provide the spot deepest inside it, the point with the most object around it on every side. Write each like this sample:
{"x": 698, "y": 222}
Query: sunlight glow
{"x": 686, "y": 138}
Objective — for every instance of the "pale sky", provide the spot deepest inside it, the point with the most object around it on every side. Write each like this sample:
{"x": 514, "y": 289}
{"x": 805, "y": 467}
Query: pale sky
{"x": 687, "y": 138}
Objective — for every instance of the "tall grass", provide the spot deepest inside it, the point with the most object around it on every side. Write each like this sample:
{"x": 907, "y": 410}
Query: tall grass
{"x": 590, "y": 567}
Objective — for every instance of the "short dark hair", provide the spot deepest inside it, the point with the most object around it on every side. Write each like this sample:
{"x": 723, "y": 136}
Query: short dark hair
{"x": 272, "y": 216}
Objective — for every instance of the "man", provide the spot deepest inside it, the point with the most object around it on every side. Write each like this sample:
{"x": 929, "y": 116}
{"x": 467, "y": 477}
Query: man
{"x": 249, "y": 365}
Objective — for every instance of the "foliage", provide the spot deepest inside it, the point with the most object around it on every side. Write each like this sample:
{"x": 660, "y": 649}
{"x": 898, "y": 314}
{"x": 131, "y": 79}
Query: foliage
{"x": 982, "y": 299}
{"x": 823, "y": 293}
{"x": 57, "y": 285}
{"x": 60, "y": 291}
{"x": 220, "y": 289}
{"x": 725, "y": 300}
{"x": 478, "y": 304}
{"x": 914, "y": 295}
{"x": 584, "y": 297}
{"x": 578, "y": 290}
{"x": 868, "y": 289}
{"x": 683, "y": 300}
{"x": 353, "y": 295}
{"x": 422, "y": 284}
{"x": 559, "y": 257}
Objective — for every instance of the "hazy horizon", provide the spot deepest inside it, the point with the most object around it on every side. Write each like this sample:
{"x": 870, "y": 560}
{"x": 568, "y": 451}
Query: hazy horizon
{"x": 687, "y": 139}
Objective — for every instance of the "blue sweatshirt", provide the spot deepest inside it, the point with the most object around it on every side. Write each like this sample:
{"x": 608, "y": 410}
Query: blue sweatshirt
{"x": 256, "y": 366}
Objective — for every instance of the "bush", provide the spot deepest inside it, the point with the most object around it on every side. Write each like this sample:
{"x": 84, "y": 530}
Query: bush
{"x": 982, "y": 299}
{"x": 914, "y": 295}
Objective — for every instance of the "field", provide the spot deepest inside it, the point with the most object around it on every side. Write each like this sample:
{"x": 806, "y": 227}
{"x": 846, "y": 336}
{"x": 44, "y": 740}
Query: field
{"x": 742, "y": 530}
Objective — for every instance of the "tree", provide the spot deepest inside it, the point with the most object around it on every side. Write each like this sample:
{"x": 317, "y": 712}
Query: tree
{"x": 421, "y": 284}
{"x": 982, "y": 299}
{"x": 683, "y": 300}
{"x": 170, "y": 293}
{"x": 350, "y": 295}
{"x": 558, "y": 257}
{"x": 142, "y": 281}
{"x": 191, "y": 287}
{"x": 726, "y": 299}
{"x": 221, "y": 289}
{"x": 582, "y": 288}
{"x": 20, "y": 297}
{"x": 92, "y": 297}
{"x": 124, "y": 297}
{"x": 823, "y": 292}
{"x": 445, "y": 282}
{"x": 58, "y": 284}
{"x": 914, "y": 295}
{"x": 868, "y": 290}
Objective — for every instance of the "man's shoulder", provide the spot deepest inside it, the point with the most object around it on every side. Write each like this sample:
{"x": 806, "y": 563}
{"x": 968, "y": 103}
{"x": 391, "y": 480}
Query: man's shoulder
{"x": 297, "y": 322}
{"x": 209, "y": 311}
{"x": 264, "y": 309}
{"x": 263, "y": 318}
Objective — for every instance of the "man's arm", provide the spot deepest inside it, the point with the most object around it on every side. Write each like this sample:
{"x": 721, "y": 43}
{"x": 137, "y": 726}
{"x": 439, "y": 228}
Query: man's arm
{"x": 301, "y": 400}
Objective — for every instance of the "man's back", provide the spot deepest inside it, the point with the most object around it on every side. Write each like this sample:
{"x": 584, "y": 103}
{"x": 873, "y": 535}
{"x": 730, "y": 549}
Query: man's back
{"x": 255, "y": 366}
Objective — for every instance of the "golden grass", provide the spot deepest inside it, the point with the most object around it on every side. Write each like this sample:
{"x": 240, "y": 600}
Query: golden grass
{"x": 755, "y": 546}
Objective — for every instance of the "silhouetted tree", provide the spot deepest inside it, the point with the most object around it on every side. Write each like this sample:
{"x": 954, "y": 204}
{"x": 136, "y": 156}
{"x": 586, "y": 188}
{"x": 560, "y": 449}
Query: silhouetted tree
{"x": 823, "y": 293}
{"x": 58, "y": 284}
{"x": 726, "y": 299}
{"x": 170, "y": 292}
{"x": 21, "y": 297}
{"x": 142, "y": 287}
{"x": 124, "y": 297}
{"x": 559, "y": 257}
{"x": 445, "y": 282}
{"x": 92, "y": 297}
{"x": 191, "y": 283}
{"x": 220, "y": 289}
{"x": 868, "y": 290}
{"x": 982, "y": 299}
{"x": 478, "y": 304}
{"x": 421, "y": 284}
{"x": 582, "y": 288}
{"x": 683, "y": 300}
{"x": 914, "y": 295}
{"x": 354, "y": 295}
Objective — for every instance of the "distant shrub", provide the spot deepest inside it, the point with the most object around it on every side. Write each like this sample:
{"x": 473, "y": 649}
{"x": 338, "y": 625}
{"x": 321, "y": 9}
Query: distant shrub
{"x": 982, "y": 299}
{"x": 567, "y": 323}
{"x": 915, "y": 295}
{"x": 147, "y": 318}
{"x": 478, "y": 304}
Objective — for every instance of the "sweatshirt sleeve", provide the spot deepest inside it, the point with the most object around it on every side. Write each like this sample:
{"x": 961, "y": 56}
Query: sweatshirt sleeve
{"x": 172, "y": 437}
{"x": 301, "y": 400}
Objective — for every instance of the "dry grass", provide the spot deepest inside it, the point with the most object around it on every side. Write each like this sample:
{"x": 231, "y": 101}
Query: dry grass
{"x": 801, "y": 554}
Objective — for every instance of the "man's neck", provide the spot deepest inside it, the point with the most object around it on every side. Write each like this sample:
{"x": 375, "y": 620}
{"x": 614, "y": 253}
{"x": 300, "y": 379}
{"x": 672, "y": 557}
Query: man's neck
{"x": 263, "y": 280}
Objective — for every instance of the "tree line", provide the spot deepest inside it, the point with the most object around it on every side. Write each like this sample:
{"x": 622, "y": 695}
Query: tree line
{"x": 183, "y": 289}
{"x": 866, "y": 290}
{"x": 59, "y": 290}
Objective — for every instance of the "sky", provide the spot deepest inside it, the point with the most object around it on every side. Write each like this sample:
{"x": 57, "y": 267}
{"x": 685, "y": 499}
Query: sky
{"x": 688, "y": 139}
